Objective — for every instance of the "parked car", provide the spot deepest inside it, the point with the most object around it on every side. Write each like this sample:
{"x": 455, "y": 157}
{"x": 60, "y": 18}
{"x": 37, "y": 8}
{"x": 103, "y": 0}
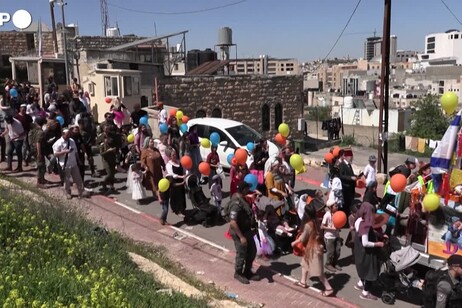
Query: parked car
{"x": 233, "y": 135}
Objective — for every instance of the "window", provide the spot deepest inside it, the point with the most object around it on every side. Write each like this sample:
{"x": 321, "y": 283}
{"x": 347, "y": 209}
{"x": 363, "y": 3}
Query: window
{"x": 136, "y": 85}
{"x": 216, "y": 113}
{"x": 277, "y": 115}
{"x": 456, "y": 36}
{"x": 201, "y": 130}
{"x": 431, "y": 39}
{"x": 243, "y": 134}
{"x": 265, "y": 118}
{"x": 128, "y": 86}
{"x": 201, "y": 114}
{"x": 91, "y": 88}
{"x": 111, "y": 86}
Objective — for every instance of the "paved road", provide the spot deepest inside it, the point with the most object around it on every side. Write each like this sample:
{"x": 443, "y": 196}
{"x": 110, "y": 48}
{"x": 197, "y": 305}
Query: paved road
{"x": 288, "y": 265}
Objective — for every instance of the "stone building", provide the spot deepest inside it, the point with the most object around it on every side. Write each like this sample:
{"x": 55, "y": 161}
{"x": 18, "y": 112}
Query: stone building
{"x": 262, "y": 102}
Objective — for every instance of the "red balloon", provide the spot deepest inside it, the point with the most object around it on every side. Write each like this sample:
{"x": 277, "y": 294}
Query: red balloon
{"x": 234, "y": 161}
{"x": 186, "y": 162}
{"x": 108, "y": 100}
{"x": 172, "y": 112}
{"x": 361, "y": 183}
{"x": 280, "y": 139}
{"x": 339, "y": 219}
{"x": 204, "y": 168}
{"x": 329, "y": 157}
{"x": 336, "y": 151}
{"x": 241, "y": 156}
{"x": 185, "y": 119}
{"x": 398, "y": 182}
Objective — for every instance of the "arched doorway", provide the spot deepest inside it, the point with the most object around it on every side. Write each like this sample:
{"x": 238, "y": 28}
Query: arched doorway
{"x": 216, "y": 113}
{"x": 265, "y": 118}
{"x": 201, "y": 114}
{"x": 277, "y": 115}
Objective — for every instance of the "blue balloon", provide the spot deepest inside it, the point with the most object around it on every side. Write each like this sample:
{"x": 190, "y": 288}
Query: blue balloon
{"x": 183, "y": 128}
{"x": 14, "y": 93}
{"x": 230, "y": 158}
{"x": 60, "y": 119}
{"x": 163, "y": 128}
{"x": 144, "y": 120}
{"x": 215, "y": 138}
{"x": 252, "y": 180}
{"x": 250, "y": 146}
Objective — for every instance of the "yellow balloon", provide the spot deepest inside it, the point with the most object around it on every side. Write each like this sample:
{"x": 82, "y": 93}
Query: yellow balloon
{"x": 431, "y": 202}
{"x": 163, "y": 185}
{"x": 205, "y": 143}
{"x": 179, "y": 114}
{"x": 130, "y": 138}
{"x": 296, "y": 161}
{"x": 449, "y": 102}
{"x": 284, "y": 130}
{"x": 302, "y": 170}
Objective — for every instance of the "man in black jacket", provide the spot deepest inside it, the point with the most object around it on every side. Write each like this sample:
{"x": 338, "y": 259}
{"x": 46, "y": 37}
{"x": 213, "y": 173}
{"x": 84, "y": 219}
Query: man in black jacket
{"x": 348, "y": 178}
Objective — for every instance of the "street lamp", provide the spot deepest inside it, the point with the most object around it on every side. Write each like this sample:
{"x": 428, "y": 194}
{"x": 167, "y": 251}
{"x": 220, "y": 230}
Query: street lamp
{"x": 66, "y": 68}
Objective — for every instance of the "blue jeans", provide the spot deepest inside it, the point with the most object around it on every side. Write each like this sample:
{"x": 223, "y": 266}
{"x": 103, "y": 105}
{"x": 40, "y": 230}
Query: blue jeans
{"x": 164, "y": 203}
{"x": 15, "y": 146}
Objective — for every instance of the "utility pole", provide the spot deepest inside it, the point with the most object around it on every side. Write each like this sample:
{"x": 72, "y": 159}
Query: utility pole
{"x": 64, "y": 33}
{"x": 384, "y": 91}
{"x": 53, "y": 25}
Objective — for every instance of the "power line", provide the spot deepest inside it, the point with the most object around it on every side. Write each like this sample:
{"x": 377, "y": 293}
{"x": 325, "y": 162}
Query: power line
{"x": 177, "y": 13}
{"x": 452, "y": 13}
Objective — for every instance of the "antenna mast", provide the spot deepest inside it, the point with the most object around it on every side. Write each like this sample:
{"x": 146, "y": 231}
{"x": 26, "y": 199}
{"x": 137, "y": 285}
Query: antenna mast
{"x": 104, "y": 16}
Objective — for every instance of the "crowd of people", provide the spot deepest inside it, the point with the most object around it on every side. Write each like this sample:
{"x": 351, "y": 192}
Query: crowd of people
{"x": 61, "y": 137}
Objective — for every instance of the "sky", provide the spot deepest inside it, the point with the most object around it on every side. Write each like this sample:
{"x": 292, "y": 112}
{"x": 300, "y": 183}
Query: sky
{"x": 301, "y": 29}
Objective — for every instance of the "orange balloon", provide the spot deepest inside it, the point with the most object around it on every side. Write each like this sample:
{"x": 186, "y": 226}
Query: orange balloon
{"x": 234, "y": 161}
{"x": 339, "y": 219}
{"x": 398, "y": 182}
{"x": 172, "y": 112}
{"x": 361, "y": 183}
{"x": 329, "y": 157}
{"x": 280, "y": 139}
{"x": 204, "y": 168}
{"x": 336, "y": 151}
{"x": 241, "y": 156}
{"x": 186, "y": 162}
{"x": 185, "y": 119}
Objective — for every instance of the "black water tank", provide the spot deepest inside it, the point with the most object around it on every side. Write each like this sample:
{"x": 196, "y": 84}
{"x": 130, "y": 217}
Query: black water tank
{"x": 193, "y": 59}
{"x": 207, "y": 56}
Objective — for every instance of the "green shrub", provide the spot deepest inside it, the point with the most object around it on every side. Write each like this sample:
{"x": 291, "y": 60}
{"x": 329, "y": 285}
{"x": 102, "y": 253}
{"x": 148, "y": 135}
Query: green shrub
{"x": 50, "y": 256}
{"x": 348, "y": 140}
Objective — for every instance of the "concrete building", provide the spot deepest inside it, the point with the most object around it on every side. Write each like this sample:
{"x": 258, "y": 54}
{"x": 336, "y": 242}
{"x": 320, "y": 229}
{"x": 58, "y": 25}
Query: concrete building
{"x": 446, "y": 47}
{"x": 373, "y": 47}
{"x": 264, "y": 65}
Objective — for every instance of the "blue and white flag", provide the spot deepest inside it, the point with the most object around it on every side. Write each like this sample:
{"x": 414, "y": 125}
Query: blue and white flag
{"x": 444, "y": 152}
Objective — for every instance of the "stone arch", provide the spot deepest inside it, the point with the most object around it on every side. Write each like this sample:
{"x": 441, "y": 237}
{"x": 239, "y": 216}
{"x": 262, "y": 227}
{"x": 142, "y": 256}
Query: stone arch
{"x": 216, "y": 113}
{"x": 201, "y": 113}
{"x": 278, "y": 111}
{"x": 265, "y": 118}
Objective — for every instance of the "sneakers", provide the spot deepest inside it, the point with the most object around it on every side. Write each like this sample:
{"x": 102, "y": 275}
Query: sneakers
{"x": 368, "y": 297}
{"x": 358, "y": 287}
{"x": 330, "y": 268}
{"x": 241, "y": 279}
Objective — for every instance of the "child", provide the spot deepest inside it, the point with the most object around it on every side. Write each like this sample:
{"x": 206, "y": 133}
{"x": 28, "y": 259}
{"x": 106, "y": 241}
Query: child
{"x": 350, "y": 241}
{"x": 336, "y": 193}
{"x": 215, "y": 191}
{"x": 331, "y": 237}
{"x": 370, "y": 171}
{"x": 265, "y": 244}
{"x": 108, "y": 155}
{"x": 165, "y": 200}
{"x": 134, "y": 183}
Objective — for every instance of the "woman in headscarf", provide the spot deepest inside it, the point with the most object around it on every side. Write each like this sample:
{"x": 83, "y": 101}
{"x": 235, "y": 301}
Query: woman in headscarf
{"x": 312, "y": 259}
{"x": 276, "y": 187}
{"x": 367, "y": 249}
{"x": 153, "y": 163}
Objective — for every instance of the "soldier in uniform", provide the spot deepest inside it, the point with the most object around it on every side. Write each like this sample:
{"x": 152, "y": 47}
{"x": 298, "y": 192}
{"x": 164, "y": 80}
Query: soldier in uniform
{"x": 241, "y": 225}
{"x": 448, "y": 289}
{"x": 38, "y": 149}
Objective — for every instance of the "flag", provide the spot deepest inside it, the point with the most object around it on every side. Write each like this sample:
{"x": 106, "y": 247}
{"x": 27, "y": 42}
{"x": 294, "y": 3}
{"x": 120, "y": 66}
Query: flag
{"x": 39, "y": 37}
{"x": 444, "y": 152}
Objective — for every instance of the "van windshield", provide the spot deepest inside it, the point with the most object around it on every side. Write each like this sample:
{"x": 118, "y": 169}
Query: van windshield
{"x": 243, "y": 134}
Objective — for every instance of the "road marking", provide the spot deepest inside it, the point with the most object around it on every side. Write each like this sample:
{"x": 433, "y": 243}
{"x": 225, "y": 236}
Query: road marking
{"x": 200, "y": 239}
{"x": 127, "y": 207}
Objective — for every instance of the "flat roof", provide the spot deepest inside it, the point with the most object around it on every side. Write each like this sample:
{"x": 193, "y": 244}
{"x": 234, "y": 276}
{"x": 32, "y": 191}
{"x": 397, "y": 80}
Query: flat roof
{"x": 36, "y": 58}
{"x": 144, "y": 41}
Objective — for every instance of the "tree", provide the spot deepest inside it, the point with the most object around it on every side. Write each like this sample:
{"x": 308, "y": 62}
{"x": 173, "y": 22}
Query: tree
{"x": 428, "y": 121}
{"x": 319, "y": 113}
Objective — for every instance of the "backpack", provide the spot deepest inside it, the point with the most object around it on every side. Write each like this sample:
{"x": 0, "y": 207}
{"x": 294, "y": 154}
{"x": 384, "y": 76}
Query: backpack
{"x": 226, "y": 211}
{"x": 432, "y": 278}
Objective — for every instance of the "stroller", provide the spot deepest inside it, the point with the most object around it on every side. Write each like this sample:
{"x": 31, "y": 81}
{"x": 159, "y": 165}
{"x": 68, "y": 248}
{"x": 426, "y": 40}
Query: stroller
{"x": 396, "y": 276}
{"x": 203, "y": 212}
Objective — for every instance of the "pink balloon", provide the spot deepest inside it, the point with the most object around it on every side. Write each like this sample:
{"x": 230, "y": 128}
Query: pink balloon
{"x": 118, "y": 115}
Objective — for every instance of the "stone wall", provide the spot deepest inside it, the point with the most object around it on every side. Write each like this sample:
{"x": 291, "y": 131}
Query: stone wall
{"x": 103, "y": 42}
{"x": 364, "y": 135}
{"x": 239, "y": 98}
{"x": 15, "y": 43}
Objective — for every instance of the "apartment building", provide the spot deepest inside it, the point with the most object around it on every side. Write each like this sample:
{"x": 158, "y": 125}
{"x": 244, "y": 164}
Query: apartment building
{"x": 265, "y": 66}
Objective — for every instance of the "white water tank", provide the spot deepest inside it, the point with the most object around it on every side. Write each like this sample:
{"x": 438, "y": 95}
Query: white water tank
{"x": 348, "y": 102}
{"x": 112, "y": 32}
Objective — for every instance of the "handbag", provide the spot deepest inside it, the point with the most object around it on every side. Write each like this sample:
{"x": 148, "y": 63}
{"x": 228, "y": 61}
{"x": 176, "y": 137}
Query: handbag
{"x": 298, "y": 249}
{"x": 259, "y": 174}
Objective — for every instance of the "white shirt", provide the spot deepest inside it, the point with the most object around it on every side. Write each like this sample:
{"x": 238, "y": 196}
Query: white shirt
{"x": 364, "y": 237}
{"x": 370, "y": 174}
{"x": 61, "y": 145}
{"x": 169, "y": 168}
{"x": 327, "y": 221}
{"x": 162, "y": 116}
{"x": 15, "y": 129}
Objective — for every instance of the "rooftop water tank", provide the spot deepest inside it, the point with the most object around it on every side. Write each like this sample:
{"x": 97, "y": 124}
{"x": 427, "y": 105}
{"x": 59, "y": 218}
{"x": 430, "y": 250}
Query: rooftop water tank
{"x": 225, "y": 36}
{"x": 348, "y": 102}
{"x": 112, "y": 32}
